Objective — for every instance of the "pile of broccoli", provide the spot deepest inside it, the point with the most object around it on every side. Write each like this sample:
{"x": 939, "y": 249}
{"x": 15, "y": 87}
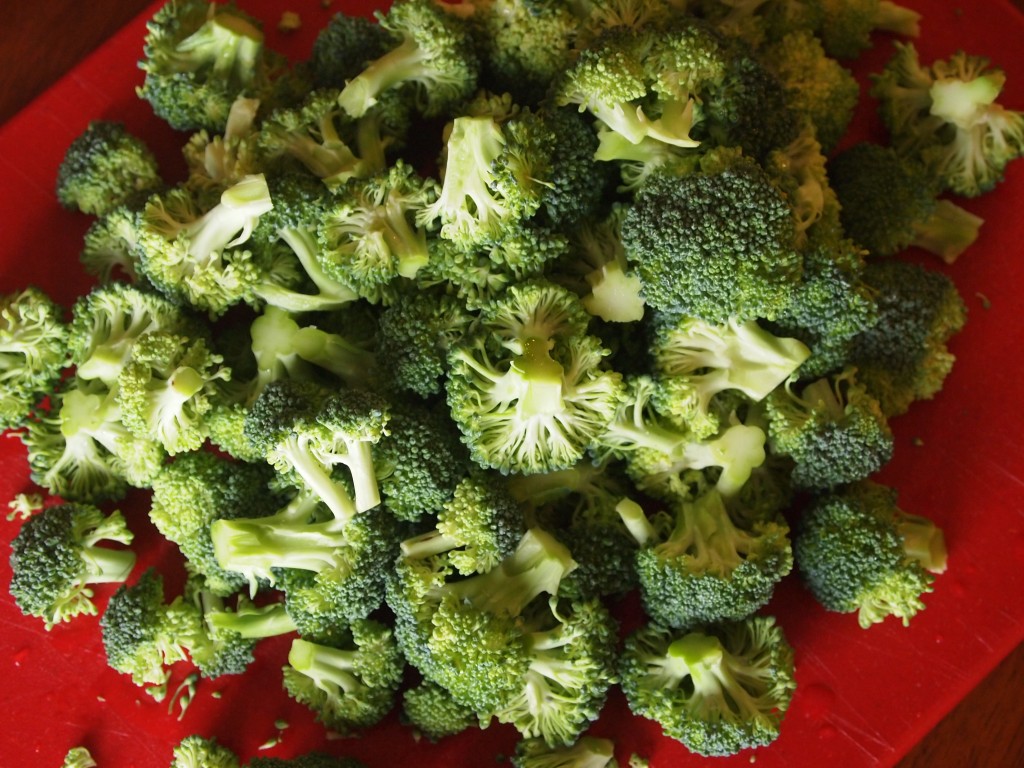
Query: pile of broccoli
{"x": 482, "y": 318}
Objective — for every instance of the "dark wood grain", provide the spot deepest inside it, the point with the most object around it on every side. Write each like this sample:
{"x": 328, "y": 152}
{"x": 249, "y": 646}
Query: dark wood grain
{"x": 41, "y": 41}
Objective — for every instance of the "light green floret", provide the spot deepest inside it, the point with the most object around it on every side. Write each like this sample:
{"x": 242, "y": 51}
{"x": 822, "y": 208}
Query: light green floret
{"x": 78, "y": 757}
{"x": 196, "y": 751}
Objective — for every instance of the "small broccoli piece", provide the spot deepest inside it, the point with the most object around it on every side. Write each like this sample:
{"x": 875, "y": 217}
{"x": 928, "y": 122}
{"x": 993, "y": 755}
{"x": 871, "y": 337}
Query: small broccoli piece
{"x": 349, "y": 687}
{"x": 904, "y": 356}
{"x": 947, "y": 116}
{"x": 198, "y": 488}
{"x": 218, "y": 161}
{"x": 432, "y": 713}
{"x": 479, "y": 526}
{"x": 199, "y": 256}
{"x": 696, "y": 360}
{"x": 857, "y": 551}
{"x": 344, "y": 47}
{"x": 78, "y": 757}
{"x": 586, "y": 752}
{"x": 307, "y": 760}
{"x": 699, "y": 564}
{"x": 433, "y": 58}
{"x": 56, "y": 556}
{"x": 713, "y": 245}
{"x": 833, "y": 429}
{"x": 33, "y": 351}
{"x": 195, "y": 751}
{"x": 370, "y": 235}
{"x": 143, "y": 635}
{"x": 529, "y": 388}
{"x": 104, "y": 167}
{"x": 888, "y": 203}
{"x": 847, "y": 25}
{"x": 718, "y": 689}
{"x": 110, "y": 245}
{"x": 198, "y": 58}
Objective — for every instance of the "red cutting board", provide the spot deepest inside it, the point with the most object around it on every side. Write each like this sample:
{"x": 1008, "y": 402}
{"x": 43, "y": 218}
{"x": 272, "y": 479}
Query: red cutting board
{"x": 864, "y": 697}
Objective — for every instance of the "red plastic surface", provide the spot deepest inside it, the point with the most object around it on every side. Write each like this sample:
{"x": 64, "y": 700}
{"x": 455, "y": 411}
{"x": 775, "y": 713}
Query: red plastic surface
{"x": 864, "y": 697}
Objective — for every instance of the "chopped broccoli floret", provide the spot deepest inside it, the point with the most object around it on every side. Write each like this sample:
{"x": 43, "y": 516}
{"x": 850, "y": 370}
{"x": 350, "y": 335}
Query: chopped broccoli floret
{"x": 432, "y": 712}
{"x": 586, "y": 752}
{"x": 847, "y": 25}
{"x": 197, "y": 751}
{"x": 344, "y": 47}
{"x": 78, "y": 757}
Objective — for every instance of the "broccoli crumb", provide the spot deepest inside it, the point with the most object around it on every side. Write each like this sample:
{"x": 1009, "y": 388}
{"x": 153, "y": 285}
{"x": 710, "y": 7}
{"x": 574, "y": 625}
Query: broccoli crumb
{"x": 289, "y": 22}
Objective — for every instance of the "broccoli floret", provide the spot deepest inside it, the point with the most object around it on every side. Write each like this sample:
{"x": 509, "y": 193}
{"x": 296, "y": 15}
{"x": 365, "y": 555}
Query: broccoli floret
{"x": 199, "y": 256}
{"x": 195, "y": 751}
{"x": 904, "y": 357}
{"x": 696, "y": 360}
{"x": 351, "y": 686}
{"x": 220, "y": 160}
{"x": 33, "y": 351}
{"x": 888, "y": 203}
{"x": 56, "y": 556}
{"x": 433, "y": 57}
{"x": 699, "y": 564}
{"x": 78, "y": 757}
{"x": 432, "y": 713}
{"x": 143, "y": 635}
{"x": 104, "y": 167}
{"x": 370, "y": 234}
{"x": 832, "y": 428}
{"x": 718, "y": 689}
{"x": 197, "y": 58}
{"x": 110, "y": 245}
{"x": 847, "y": 25}
{"x": 857, "y": 551}
{"x": 307, "y": 760}
{"x": 713, "y": 245}
{"x": 529, "y": 388}
{"x": 479, "y": 526}
{"x": 344, "y": 47}
{"x": 586, "y": 752}
{"x": 198, "y": 488}
{"x": 947, "y": 116}
{"x": 215, "y": 650}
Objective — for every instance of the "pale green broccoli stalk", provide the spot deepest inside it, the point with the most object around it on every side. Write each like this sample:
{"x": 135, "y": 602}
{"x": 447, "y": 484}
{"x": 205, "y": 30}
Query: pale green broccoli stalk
{"x": 198, "y": 57}
{"x": 847, "y": 25}
{"x": 586, "y": 752}
{"x": 529, "y": 389}
{"x": 433, "y": 58}
{"x": 104, "y": 167}
{"x": 718, "y": 689}
{"x": 33, "y": 352}
{"x": 166, "y": 388}
{"x": 858, "y": 552}
{"x": 198, "y": 256}
{"x": 947, "y": 116}
{"x": 888, "y": 202}
{"x": 197, "y": 751}
{"x": 350, "y": 687}
{"x": 56, "y": 556}
{"x": 695, "y": 360}
{"x": 832, "y": 428}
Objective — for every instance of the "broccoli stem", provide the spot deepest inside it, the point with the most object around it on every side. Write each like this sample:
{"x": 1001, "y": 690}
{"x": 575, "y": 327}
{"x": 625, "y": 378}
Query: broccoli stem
{"x": 231, "y": 222}
{"x": 402, "y": 239}
{"x": 542, "y": 379}
{"x": 332, "y": 294}
{"x": 890, "y": 17}
{"x": 923, "y": 541}
{"x": 948, "y": 232}
{"x": 107, "y": 565}
{"x": 359, "y": 460}
{"x": 427, "y": 545}
{"x": 333, "y": 353}
{"x": 401, "y": 63}
{"x": 297, "y": 451}
{"x": 963, "y": 101}
{"x": 231, "y": 44}
{"x": 636, "y": 521}
{"x": 254, "y": 623}
{"x": 329, "y": 668}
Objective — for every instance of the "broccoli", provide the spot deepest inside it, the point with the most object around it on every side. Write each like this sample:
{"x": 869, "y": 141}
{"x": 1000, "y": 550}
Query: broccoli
{"x": 586, "y": 752}
{"x": 947, "y": 116}
{"x": 432, "y": 712}
{"x": 857, "y": 551}
{"x": 697, "y": 564}
{"x": 344, "y": 47}
{"x": 847, "y": 25}
{"x": 718, "y": 689}
{"x": 833, "y": 429}
{"x": 888, "y": 203}
{"x": 713, "y": 245}
{"x": 33, "y": 351}
{"x": 56, "y": 556}
{"x": 195, "y": 751}
{"x": 528, "y": 388}
{"x": 143, "y": 634}
{"x": 307, "y": 760}
{"x": 904, "y": 357}
{"x": 696, "y": 360}
{"x": 219, "y": 161}
{"x": 433, "y": 56}
{"x": 110, "y": 245}
{"x": 104, "y": 167}
{"x": 349, "y": 687}
{"x": 198, "y": 488}
{"x": 78, "y": 757}
{"x": 197, "y": 58}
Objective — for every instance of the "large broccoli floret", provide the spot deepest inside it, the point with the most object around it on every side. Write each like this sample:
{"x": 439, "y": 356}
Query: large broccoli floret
{"x": 697, "y": 564}
{"x": 434, "y": 57}
{"x": 104, "y": 167}
{"x": 718, "y": 689}
{"x": 832, "y": 428}
{"x": 888, "y": 203}
{"x": 33, "y": 351}
{"x": 529, "y": 388}
{"x": 713, "y": 245}
{"x": 857, "y": 551}
{"x": 56, "y": 556}
{"x": 947, "y": 116}
{"x": 350, "y": 686}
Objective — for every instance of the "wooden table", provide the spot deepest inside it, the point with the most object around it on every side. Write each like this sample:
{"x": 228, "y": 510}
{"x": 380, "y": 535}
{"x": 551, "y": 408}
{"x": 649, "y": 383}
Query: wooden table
{"x": 40, "y": 41}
